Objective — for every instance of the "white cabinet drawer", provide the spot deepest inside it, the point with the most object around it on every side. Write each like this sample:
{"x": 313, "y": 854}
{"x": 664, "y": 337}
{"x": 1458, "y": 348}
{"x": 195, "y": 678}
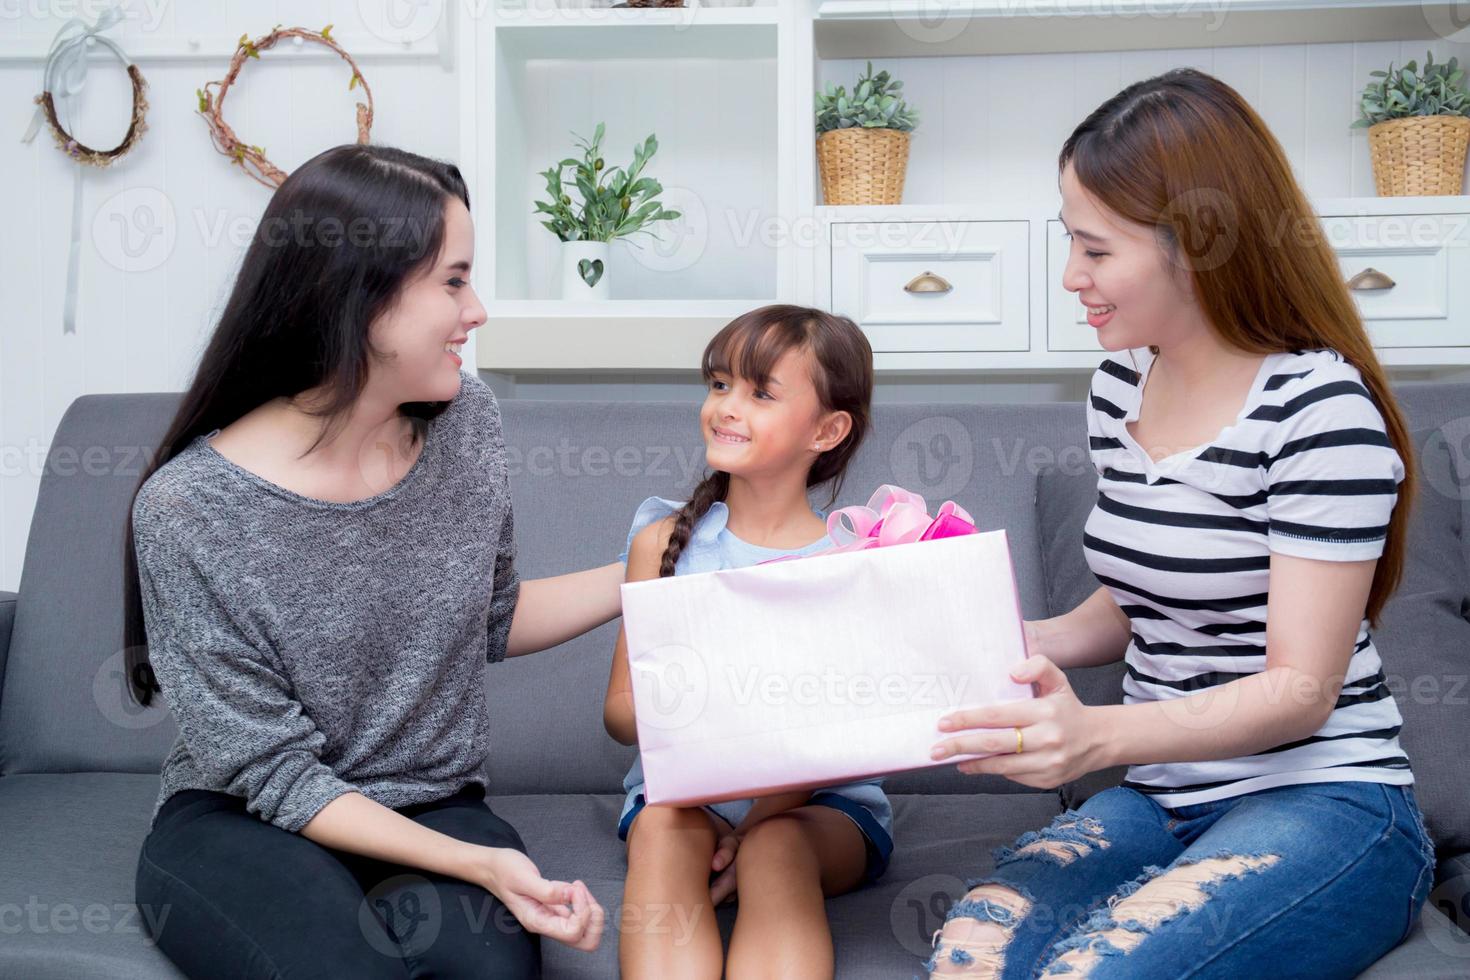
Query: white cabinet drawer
{"x": 1066, "y": 318}
{"x": 1426, "y": 257}
{"x": 977, "y": 272}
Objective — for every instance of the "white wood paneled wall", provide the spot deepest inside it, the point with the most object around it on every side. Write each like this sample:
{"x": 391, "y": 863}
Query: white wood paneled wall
{"x": 163, "y": 231}
{"x": 173, "y": 211}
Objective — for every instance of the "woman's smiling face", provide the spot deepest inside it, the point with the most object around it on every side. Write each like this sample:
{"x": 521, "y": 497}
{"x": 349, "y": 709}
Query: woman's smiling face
{"x": 1136, "y": 296}
{"x": 752, "y": 428}
{"x": 420, "y": 337}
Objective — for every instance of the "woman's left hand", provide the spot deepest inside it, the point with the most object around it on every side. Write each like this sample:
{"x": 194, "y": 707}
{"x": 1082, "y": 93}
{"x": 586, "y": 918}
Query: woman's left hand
{"x": 560, "y": 910}
{"x": 1060, "y": 735}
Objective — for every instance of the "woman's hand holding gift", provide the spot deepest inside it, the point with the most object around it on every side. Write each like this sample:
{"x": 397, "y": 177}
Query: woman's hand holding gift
{"x": 1059, "y": 738}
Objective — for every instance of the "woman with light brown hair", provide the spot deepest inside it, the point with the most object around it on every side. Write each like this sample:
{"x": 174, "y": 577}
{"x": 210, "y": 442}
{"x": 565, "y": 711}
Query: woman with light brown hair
{"x": 1254, "y": 475}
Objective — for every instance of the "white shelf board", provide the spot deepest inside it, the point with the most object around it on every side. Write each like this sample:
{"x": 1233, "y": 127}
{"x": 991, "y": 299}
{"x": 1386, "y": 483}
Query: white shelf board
{"x": 878, "y": 10}
{"x": 219, "y": 48}
{"x": 863, "y": 29}
{"x": 683, "y": 356}
{"x": 618, "y": 335}
{"x": 720, "y": 33}
{"x": 1433, "y": 204}
{"x": 1010, "y": 209}
{"x": 972, "y": 364}
{"x": 682, "y": 17}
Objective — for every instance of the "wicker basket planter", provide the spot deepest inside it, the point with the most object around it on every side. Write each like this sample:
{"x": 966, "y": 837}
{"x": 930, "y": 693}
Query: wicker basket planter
{"x": 863, "y": 166}
{"x": 1419, "y": 155}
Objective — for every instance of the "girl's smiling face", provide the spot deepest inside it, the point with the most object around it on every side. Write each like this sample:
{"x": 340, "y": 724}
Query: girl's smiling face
{"x": 752, "y": 427}
{"x": 1135, "y": 294}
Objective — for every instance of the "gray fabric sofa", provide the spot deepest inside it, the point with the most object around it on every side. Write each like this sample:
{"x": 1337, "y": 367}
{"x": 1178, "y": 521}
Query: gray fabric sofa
{"x": 78, "y": 766}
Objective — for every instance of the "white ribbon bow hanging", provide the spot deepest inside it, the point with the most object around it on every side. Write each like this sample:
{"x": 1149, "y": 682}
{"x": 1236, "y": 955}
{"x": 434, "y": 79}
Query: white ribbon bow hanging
{"x": 65, "y": 75}
{"x": 66, "y": 62}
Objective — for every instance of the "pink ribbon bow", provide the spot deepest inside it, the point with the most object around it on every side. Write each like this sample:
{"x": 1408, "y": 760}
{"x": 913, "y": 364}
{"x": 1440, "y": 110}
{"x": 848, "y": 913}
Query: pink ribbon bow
{"x": 892, "y": 516}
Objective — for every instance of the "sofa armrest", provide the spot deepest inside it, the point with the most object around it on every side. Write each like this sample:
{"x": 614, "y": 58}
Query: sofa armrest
{"x": 7, "y": 620}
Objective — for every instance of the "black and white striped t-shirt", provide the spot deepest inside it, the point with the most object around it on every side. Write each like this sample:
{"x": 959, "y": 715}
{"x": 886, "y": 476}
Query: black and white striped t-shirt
{"x": 1183, "y": 545}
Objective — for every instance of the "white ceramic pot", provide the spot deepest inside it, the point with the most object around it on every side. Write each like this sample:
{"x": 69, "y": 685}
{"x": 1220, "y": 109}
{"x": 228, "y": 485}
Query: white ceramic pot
{"x": 584, "y": 269}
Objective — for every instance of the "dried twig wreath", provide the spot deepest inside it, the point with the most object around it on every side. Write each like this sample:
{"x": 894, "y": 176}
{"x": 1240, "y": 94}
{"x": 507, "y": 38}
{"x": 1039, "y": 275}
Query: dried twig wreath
{"x": 83, "y": 153}
{"x": 252, "y": 158}
{"x": 66, "y": 72}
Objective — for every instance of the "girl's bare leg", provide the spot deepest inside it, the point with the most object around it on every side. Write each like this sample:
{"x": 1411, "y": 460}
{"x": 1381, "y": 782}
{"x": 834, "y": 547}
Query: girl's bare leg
{"x": 668, "y": 928}
{"x": 786, "y": 868}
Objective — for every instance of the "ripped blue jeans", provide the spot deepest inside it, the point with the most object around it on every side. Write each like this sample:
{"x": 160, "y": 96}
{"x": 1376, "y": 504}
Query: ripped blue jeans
{"x": 1311, "y": 880}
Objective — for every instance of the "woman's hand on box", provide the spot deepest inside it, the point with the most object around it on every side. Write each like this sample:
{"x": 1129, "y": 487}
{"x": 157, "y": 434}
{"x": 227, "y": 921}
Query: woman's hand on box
{"x": 1058, "y": 733}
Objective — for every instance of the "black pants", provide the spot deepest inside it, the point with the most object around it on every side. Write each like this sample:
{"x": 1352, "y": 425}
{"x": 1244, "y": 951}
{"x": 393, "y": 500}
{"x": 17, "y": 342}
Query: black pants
{"x": 229, "y": 895}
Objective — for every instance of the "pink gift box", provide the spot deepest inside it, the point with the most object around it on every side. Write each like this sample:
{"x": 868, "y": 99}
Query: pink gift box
{"x": 819, "y": 671}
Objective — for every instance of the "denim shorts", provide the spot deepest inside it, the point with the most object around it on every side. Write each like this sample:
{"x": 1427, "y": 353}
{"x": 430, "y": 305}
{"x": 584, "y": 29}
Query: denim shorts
{"x": 863, "y": 802}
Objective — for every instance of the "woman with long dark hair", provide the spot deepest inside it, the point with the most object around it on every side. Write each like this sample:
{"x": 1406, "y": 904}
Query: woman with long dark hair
{"x": 1254, "y": 480}
{"x": 320, "y": 565}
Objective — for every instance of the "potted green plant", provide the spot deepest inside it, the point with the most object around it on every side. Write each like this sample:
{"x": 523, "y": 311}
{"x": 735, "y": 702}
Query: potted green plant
{"x": 615, "y": 203}
{"x": 1418, "y": 126}
{"x": 863, "y": 140}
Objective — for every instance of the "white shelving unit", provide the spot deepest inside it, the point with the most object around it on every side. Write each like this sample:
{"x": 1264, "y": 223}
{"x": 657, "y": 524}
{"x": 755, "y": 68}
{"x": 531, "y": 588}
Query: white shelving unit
{"x": 711, "y": 83}
{"x": 642, "y": 336}
{"x": 728, "y": 88}
{"x": 912, "y": 28}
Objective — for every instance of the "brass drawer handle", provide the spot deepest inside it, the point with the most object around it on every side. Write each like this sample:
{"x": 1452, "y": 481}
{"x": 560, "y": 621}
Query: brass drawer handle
{"x": 928, "y": 282}
{"x": 1370, "y": 278}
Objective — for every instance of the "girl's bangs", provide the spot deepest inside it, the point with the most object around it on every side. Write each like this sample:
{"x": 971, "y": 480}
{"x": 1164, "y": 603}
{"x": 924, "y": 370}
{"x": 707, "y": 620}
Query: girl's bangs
{"x": 749, "y": 348}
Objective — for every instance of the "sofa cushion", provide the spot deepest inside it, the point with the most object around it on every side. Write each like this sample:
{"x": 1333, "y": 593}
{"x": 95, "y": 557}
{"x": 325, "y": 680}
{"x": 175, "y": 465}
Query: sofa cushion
{"x": 7, "y": 622}
{"x": 63, "y": 707}
{"x": 1446, "y": 406}
{"x": 1064, "y": 498}
{"x": 578, "y": 471}
{"x": 67, "y": 864}
{"x": 1435, "y": 950}
{"x": 1424, "y": 641}
{"x": 72, "y": 840}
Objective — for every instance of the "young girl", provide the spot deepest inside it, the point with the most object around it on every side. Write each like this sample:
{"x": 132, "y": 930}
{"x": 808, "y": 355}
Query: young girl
{"x": 788, "y": 405}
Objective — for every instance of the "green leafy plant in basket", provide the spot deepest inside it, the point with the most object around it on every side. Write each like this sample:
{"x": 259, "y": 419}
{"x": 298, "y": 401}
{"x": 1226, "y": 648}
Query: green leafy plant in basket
{"x": 1418, "y": 124}
{"x": 875, "y": 103}
{"x": 863, "y": 140}
{"x": 611, "y": 203}
{"x": 1437, "y": 90}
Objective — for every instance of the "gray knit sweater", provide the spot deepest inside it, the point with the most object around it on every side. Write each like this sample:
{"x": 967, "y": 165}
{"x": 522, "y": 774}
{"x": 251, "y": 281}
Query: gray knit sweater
{"x": 307, "y": 648}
